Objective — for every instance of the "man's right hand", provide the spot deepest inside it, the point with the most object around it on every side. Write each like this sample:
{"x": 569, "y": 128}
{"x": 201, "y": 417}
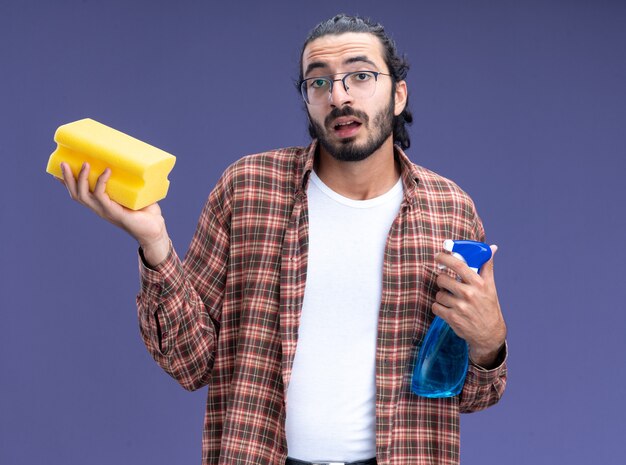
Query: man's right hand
{"x": 146, "y": 226}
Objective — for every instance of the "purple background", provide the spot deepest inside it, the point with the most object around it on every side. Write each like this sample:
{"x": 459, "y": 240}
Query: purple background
{"x": 521, "y": 103}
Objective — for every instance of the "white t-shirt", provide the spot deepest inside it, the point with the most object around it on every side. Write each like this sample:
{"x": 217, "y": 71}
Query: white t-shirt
{"x": 331, "y": 396}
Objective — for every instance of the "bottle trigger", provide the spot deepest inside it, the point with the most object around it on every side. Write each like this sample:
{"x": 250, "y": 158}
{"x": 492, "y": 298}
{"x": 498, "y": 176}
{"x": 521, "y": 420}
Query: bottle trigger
{"x": 459, "y": 256}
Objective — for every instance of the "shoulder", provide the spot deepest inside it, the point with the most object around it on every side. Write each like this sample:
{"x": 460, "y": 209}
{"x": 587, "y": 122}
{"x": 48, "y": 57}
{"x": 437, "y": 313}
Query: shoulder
{"x": 257, "y": 179}
{"x": 444, "y": 202}
{"x": 272, "y": 173}
{"x": 278, "y": 161}
{"x": 280, "y": 166}
{"x": 427, "y": 186}
{"x": 438, "y": 187}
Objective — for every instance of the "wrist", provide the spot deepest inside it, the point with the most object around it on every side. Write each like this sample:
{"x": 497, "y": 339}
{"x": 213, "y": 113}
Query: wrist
{"x": 487, "y": 358}
{"x": 155, "y": 251}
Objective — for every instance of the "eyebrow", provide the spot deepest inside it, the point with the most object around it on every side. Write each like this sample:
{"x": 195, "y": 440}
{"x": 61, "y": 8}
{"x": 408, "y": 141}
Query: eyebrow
{"x": 356, "y": 59}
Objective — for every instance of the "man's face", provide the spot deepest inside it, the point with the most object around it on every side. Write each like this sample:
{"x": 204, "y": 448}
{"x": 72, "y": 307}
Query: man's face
{"x": 348, "y": 128}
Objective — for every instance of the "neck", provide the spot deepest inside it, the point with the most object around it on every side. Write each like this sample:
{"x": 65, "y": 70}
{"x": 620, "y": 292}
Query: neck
{"x": 360, "y": 180}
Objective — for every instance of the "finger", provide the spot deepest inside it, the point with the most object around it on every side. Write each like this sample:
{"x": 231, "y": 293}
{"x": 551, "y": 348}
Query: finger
{"x": 446, "y": 299}
{"x": 441, "y": 311}
{"x": 458, "y": 266}
{"x": 457, "y": 318}
{"x": 446, "y": 314}
{"x": 69, "y": 180}
{"x": 101, "y": 183}
{"x": 82, "y": 184}
{"x": 486, "y": 272}
{"x": 453, "y": 286}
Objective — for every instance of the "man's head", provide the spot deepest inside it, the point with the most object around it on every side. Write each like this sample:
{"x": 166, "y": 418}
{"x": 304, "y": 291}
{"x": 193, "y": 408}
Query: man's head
{"x": 362, "y": 110}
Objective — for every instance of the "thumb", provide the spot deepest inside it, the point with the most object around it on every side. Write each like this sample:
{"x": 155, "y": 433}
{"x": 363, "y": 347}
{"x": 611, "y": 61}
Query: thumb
{"x": 486, "y": 271}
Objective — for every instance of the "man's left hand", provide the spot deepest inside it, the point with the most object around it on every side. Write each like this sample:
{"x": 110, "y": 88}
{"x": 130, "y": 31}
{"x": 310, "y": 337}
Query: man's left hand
{"x": 471, "y": 307}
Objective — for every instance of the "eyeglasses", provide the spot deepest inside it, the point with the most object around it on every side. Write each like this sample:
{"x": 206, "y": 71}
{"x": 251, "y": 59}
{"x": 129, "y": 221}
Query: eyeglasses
{"x": 357, "y": 84}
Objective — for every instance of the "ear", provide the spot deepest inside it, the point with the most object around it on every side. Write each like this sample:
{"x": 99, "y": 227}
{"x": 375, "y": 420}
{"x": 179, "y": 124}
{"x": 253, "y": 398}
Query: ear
{"x": 400, "y": 97}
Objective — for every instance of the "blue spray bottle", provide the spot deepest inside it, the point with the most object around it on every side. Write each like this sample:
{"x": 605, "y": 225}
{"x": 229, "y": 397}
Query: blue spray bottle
{"x": 443, "y": 358}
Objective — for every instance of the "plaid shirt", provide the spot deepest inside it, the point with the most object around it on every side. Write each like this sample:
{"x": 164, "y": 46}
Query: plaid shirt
{"x": 228, "y": 315}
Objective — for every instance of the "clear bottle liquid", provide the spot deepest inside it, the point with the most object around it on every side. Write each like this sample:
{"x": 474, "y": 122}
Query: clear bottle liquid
{"x": 442, "y": 362}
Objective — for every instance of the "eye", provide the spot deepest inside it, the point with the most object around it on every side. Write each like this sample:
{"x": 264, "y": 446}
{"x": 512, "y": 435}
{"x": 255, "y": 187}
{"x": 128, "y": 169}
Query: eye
{"x": 318, "y": 83}
{"x": 362, "y": 76}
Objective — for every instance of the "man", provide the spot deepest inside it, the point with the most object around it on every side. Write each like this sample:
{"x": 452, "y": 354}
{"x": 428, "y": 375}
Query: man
{"x": 310, "y": 282}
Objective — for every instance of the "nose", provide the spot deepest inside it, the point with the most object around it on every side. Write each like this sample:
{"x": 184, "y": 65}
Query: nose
{"x": 338, "y": 96}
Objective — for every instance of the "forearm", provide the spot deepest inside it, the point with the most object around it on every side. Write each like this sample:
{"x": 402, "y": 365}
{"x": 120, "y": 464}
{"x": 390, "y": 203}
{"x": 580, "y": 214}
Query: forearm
{"x": 174, "y": 323}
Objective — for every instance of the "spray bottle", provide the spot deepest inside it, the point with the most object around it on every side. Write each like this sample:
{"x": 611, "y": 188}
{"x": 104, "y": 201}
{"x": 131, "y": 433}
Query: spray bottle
{"x": 443, "y": 358}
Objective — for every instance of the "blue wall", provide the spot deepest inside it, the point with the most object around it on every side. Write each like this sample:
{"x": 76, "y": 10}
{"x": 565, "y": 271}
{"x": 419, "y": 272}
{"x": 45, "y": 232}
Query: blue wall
{"x": 521, "y": 103}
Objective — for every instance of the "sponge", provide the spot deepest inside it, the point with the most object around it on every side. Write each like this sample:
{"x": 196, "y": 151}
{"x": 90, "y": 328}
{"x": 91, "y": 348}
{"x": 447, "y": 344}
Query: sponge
{"x": 138, "y": 170}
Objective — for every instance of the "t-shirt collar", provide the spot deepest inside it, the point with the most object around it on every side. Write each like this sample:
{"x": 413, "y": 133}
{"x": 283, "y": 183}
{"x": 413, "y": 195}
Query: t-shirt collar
{"x": 408, "y": 171}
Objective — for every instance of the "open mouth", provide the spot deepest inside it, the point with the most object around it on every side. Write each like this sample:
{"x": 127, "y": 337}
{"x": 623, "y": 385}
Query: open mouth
{"x": 346, "y": 127}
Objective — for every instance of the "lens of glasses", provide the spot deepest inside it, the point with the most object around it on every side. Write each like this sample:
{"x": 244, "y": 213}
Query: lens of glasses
{"x": 359, "y": 85}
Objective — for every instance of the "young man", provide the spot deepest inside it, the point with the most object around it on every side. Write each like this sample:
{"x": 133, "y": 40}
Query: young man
{"x": 310, "y": 282}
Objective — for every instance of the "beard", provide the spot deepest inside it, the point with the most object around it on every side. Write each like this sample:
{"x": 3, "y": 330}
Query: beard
{"x": 347, "y": 149}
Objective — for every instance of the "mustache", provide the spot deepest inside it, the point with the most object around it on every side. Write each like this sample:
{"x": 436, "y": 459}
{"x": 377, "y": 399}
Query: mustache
{"x": 345, "y": 111}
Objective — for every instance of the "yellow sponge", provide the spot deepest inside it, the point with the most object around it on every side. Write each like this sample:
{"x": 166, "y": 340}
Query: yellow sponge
{"x": 138, "y": 170}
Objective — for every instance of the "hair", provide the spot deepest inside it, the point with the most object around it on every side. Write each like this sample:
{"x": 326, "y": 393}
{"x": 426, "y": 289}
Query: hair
{"x": 398, "y": 65}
